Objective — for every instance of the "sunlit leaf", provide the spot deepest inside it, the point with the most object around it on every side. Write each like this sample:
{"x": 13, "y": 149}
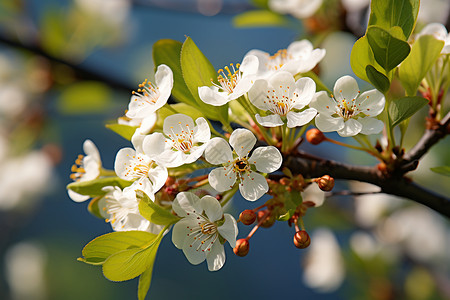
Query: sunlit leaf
{"x": 85, "y": 97}
{"x": 124, "y": 131}
{"x": 378, "y": 79}
{"x": 362, "y": 56}
{"x": 403, "y": 108}
{"x": 144, "y": 283}
{"x": 94, "y": 187}
{"x": 153, "y": 212}
{"x": 443, "y": 170}
{"x": 291, "y": 201}
{"x": 181, "y": 108}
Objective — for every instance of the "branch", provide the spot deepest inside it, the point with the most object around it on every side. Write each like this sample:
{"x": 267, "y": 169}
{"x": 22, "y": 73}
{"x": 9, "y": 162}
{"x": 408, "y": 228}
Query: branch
{"x": 398, "y": 186}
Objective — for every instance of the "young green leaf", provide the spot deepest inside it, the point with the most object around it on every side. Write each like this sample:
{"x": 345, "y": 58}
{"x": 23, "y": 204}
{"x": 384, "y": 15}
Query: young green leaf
{"x": 94, "y": 187}
{"x": 444, "y": 170}
{"x": 101, "y": 248}
{"x": 403, "y": 108}
{"x": 378, "y": 79}
{"x": 124, "y": 131}
{"x": 259, "y": 18}
{"x": 144, "y": 283}
{"x": 424, "y": 53}
{"x": 362, "y": 56}
{"x": 153, "y": 212}
{"x": 388, "y": 50}
{"x": 168, "y": 52}
{"x": 291, "y": 201}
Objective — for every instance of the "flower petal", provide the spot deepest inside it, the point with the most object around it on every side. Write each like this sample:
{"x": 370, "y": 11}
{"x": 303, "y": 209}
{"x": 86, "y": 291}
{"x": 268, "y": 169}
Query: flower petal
{"x": 269, "y": 121}
{"x": 372, "y": 103}
{"x": 158, "y": 177}
{"x": 266, "y": 159}
{"x": 346, "y": 88}
{"x": 351, "y": 127}
{"x": 177, "y": 124}
{"x": 295, "y": 119}
{"x": 186, "y": 203}
{"x": 181, "y": 230}
{"x": 370, "y": 125}
{"x": 193, "y": 253}
{"x": 202, "y": 132}
{"x": 154, "y": 144}
{"x": 91, "y": 150}
{"x": 216, "y": 257}
{"x": 280, "y": 81}
{"x": 305, "y": 88}
{"x": 242, "y": 141}
{"x": 258, "y": 94}
{"x": 229, "y": 229}
{"x": 327, "y": 123}
{"x": 123, "y": 158}
{"x": 218, "y": 151}
{"x": 307, "y": 64}
{"x": 212, "y": 208}
{"x": 222, "y": 179}
{"x": 253, "y": 186}
{"x": 211, "y": 95}
{"x": 249, "y": 65}
{"x": 164, "y": 82}
{"x": 323, "y": 103}
{"x": 77, "y": 197}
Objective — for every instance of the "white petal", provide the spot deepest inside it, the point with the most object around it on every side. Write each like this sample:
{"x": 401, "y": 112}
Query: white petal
{"x": 194, "y": 255}
{"x": 370, "y": 125}
{"x": 218, "y": 151}
{"x": 372, "y": 103}
{"x": 346, "y": 88}
{"x": 148, "y": 123}
{"x": 91, "y": 150}
{"x": 270, "y": 120}
{"x": 158, "y": 177}
{"x": 323, "y": 103}
{"x": 202, "y": 132}
{"x": 253, "y": 186}
{"x": 180, "y": 231}
{"x": 300, "y": 49}
{"x": 186, "y": 203}
{"x": 229, "y": 230}
{"x": 123, "y": 158}
{"x": 326, "y": 123}
{"x": 171, "y": 158}
{"x": 212, "y": 208}
{"x": 280, "y": 81}
{"x": 249, "y": 65}
{"x": 242, "y": 141}
{"x": 211, "y": 95}
{"x": 263, "y": 58}
{"x": 295, "y": 119}
{"x": 242, "y": 87}
{"x": 222, "y": 179}
{"x": 154, "y": 144}
{"x": 305, "y": 88}
{"x": 77, "y": 197}
{"x": 351, "y": 128}
{"x": 435, "y": 29}
{"x": 309, "y": 63}
{"x": 258, "y": 94}
{"x": 177, "y": 124}
{"x": 266, "y": 159}
{"x": 164, "y": 82}
{"x": 216, "y": 258}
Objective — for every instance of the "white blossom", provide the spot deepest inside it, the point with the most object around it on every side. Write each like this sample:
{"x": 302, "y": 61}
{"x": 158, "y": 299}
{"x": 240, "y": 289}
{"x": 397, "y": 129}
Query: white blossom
{"x": 280, "y": 95}
{"x": 298, "y": 8}
{"x": 201, "y": 232}
{"x": 238, "y": 165}
{"x": 348, "y": 111}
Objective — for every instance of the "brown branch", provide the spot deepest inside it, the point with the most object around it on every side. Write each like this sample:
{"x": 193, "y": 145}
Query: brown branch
{"x": 394, "y": 185}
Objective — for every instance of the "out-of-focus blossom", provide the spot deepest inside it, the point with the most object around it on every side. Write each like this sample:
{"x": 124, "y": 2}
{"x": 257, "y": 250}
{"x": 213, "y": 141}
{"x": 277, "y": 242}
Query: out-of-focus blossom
{"x": 433, "y": 11}
{"x": 298, "y": 8}
{"x": 25, "y": 271}
{"x": 439, "y": 32}
{"x": 324, "y": 266}
{"x": 110, "y": 11}
{"x": 314, "y": 194}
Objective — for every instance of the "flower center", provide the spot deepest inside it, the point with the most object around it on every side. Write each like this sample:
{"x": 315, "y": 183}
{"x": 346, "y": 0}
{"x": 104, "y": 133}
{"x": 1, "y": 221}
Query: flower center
{"x": 208, "y": 228}
{"x": 277, "y": 60}
{"x": 345, "y": 109}
{"x": 204, "y": 235}
{"x": 229, "y": 78}
{"x": 138, "y": 167}
{"x": 146, "y": 92}
{"x": 183, "y": 138}
{"x": 77, "y": 169}
{"x": 241, "y": 165}
{"x": 280, "y": 102}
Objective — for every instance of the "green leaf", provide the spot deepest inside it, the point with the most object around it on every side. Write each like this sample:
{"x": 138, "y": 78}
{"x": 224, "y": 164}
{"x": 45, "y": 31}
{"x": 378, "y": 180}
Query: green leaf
{"x": 85, "y": 97}
{"x": 94, "y": 187}
{"x": 144, "y": 283}
{"x": 259, "y": 18}
{"x": 389, "y": 13}
{"x": 444, "y": 170}
{"x": 153, "y": 212}
{"x": 388, "y": 51}
{"x": 379, "y": 80}
{"x": 101, "y": 248}
{"x": 291, "y": 201}
{"x": 403, "y": 108}
{"x": 424, "y": 53}
{"x": 124, "y": 131}
{"x": 198, "y": 71}
{"x": 128, "y": 264}
{"x": 362, "y": 56}
{"x": 261, "y": 3}
{"x": 184, "y": 108}
{"x": 168, "y": 52}
{"x": 94, "y": 208}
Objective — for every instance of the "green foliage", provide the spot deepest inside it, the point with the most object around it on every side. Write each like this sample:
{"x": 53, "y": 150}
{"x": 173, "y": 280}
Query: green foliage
{"x": 291, "y": 201}
{"x": 101, "y": 248}
{"x": 362, "y": 56}
{"x": 424, "y": 53}
{"x": 183, "y": 108}
{"x": 144, "y": 283}
{"x": 443, "y": 170}
{"x": 378, "y": 79}
{"x": 198, "y": 71}
{"x": 259, "y": 18}
{"x": 124, "y": 131}
{"x": 388, "y": 51}
{"x": 389, "y": 13}
{"x": 261, "y": 3}
{"x": 153, "y": 212}
{"x": 85, "y": 97}
{"x": 94, "y": 187}
{"x": 403, "y": 108}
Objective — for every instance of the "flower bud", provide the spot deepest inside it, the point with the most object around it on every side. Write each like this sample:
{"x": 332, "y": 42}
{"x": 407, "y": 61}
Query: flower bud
{"x": 326, "y": 183}
{"x": 247, "y": 217}
{"x": 315, "y": 136}
{"x": 242, "y": 247}
{"x": 269, "y": 221}
{"x": 302, "y": 239}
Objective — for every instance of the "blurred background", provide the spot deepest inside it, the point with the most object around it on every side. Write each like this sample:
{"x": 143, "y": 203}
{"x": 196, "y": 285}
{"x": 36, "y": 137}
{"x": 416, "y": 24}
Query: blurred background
{"x": 68, "y": 67}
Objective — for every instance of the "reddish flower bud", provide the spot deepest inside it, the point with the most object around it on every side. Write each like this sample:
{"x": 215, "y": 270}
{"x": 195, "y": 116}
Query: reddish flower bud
{"x": 315, "y": 136}
{"x": 284, "y": 181}
{"x": 269, "y": 221}
{"x": 326, "y": 183}
{"x": 242, "y": 247}
{"x": 302, "y": 239}
{"x": 247, "y": 217}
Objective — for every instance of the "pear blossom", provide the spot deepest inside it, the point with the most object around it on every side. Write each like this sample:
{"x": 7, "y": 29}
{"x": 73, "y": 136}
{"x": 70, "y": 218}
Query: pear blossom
{"x": 144, "y": 125}
{"x": 149, "y": 98}
{"x": 438, "y": 31}
{"x": 141, "y": 168}
{"x": 348, "y": 111}
{"x": 238, "y": 164}
{"x": 202, "y": 230}
{"x": 299, "y": 57}
{"x": 85, "y": 168}
{"x": 233, "y": 82}
{"x": 280, "y": 95}
{"x": 121, "y": 209}
{"x": 298, "y": 8}
{"x": 181, "y": 143}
